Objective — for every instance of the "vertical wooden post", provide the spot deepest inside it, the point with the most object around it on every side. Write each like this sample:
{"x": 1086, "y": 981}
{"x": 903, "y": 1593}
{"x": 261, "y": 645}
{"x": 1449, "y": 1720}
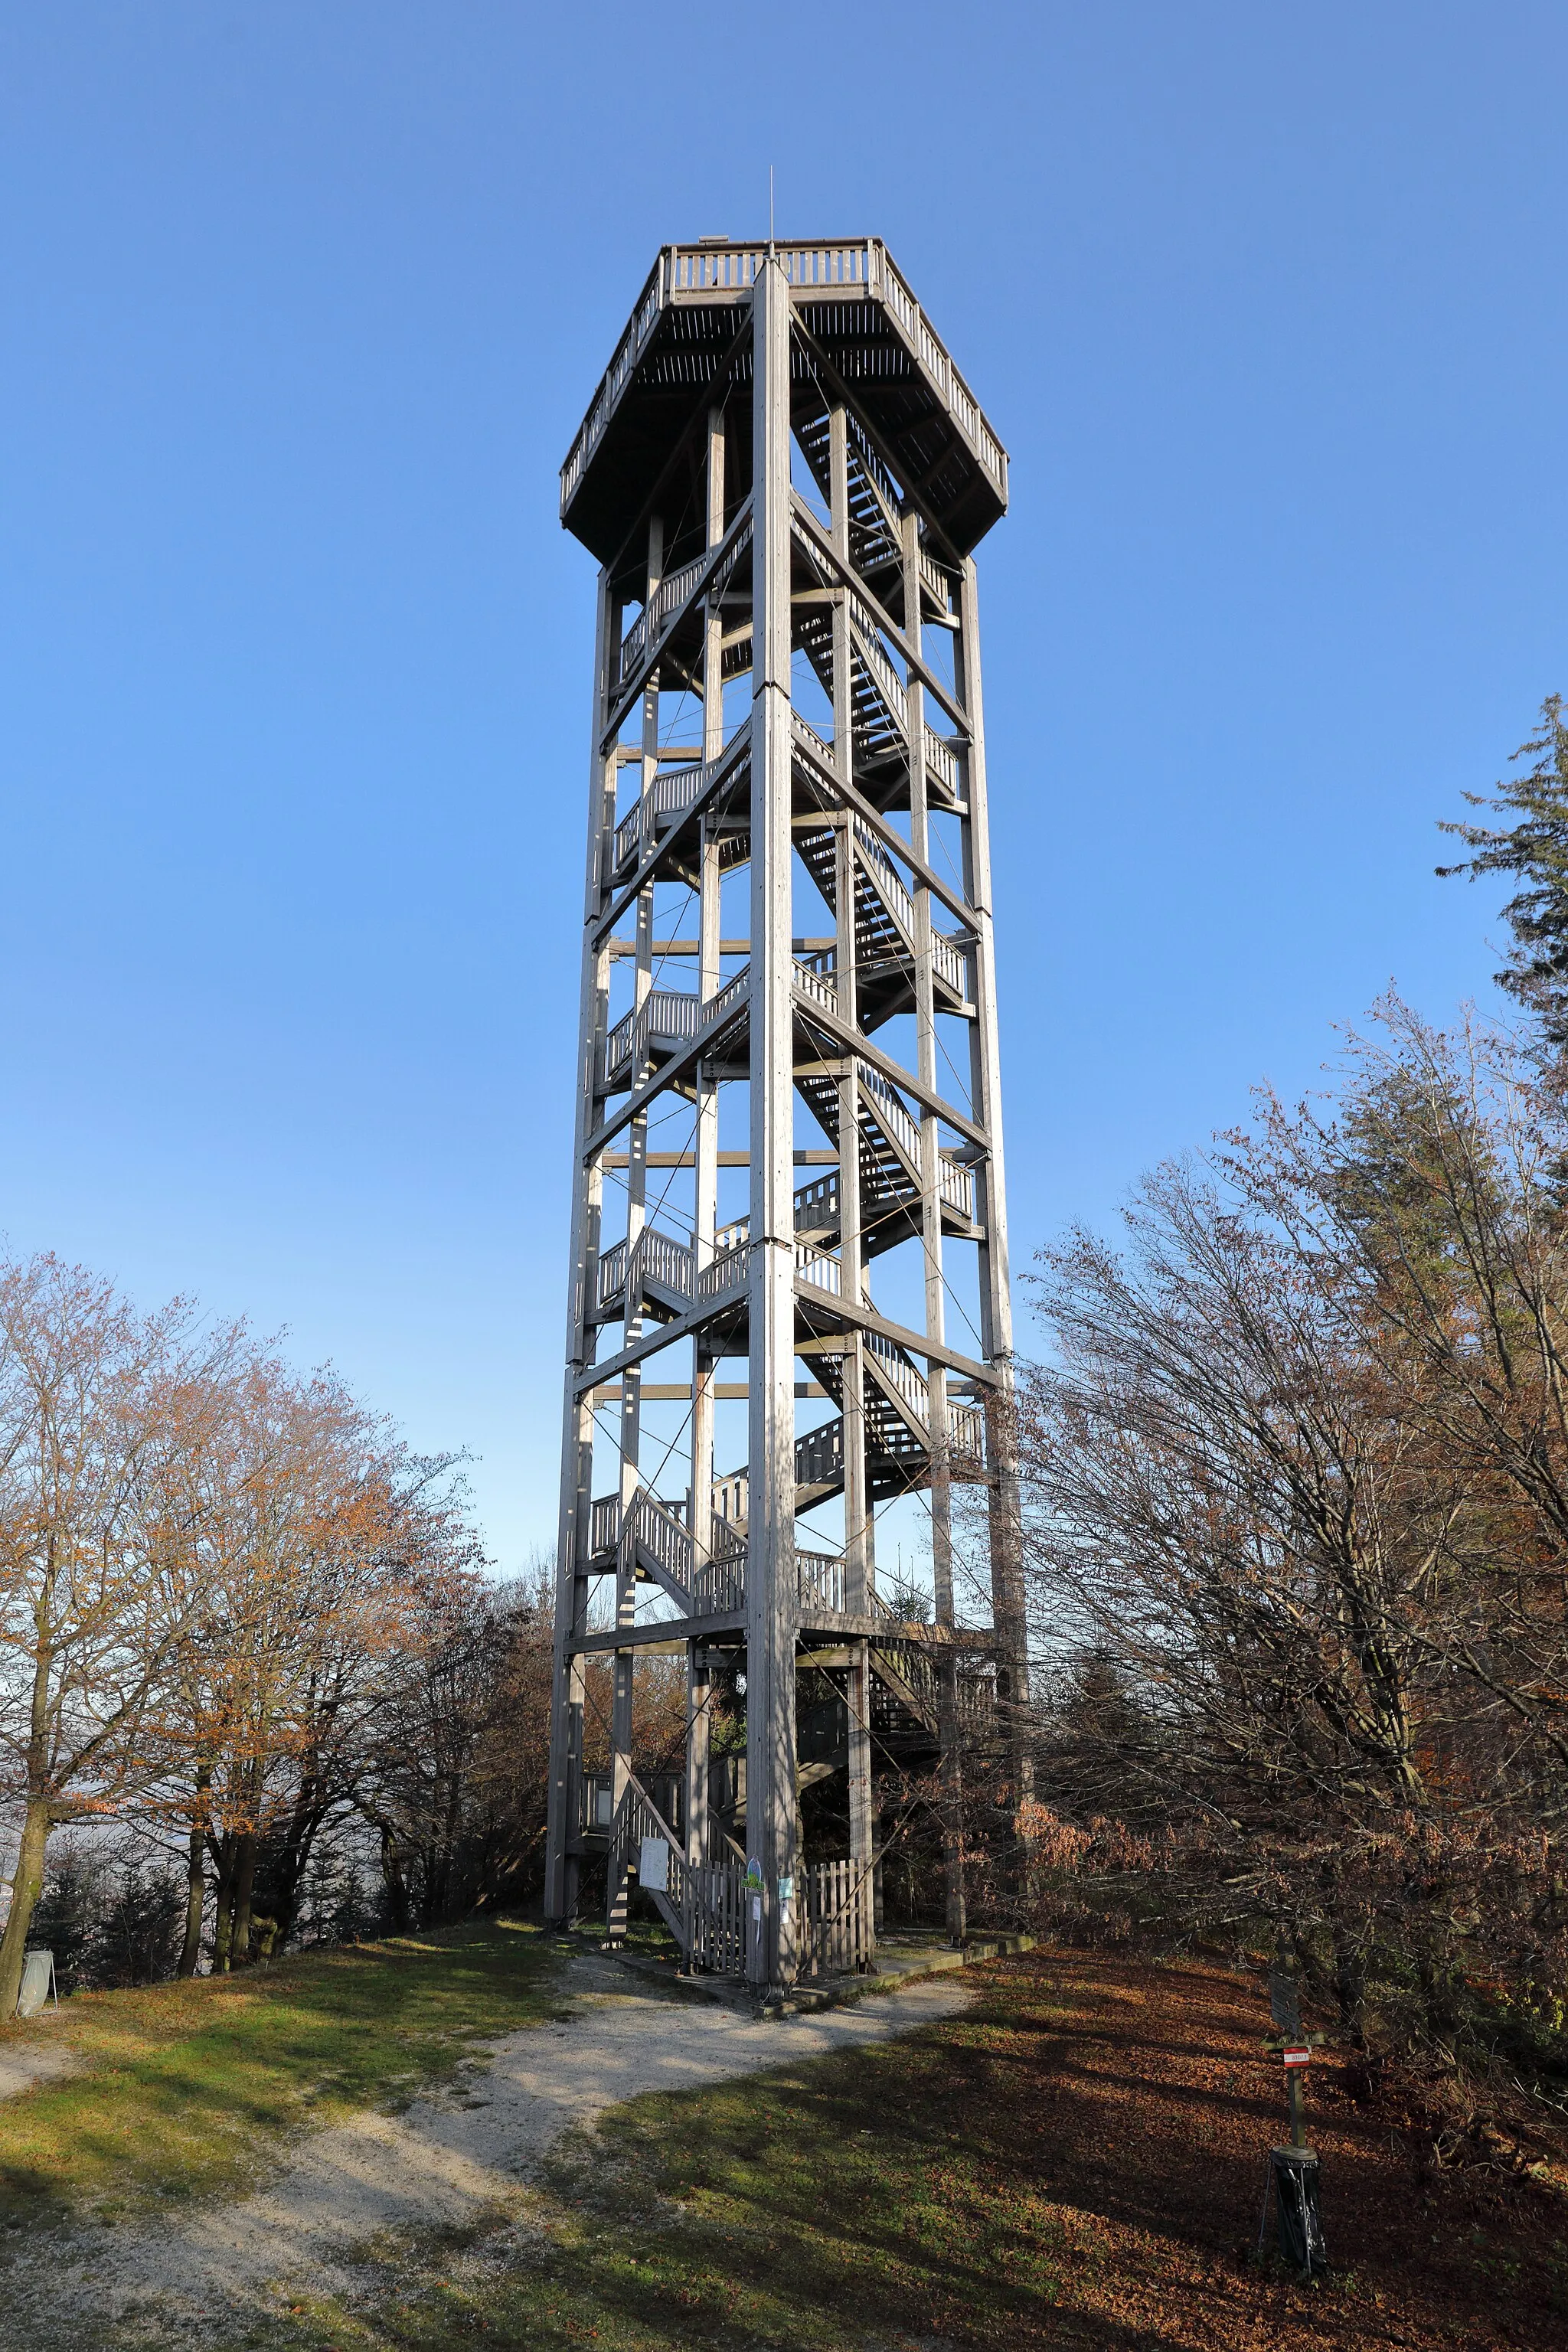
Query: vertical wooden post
{"x": 631, "y": 1379}
{"x": 705, "y": 1359}
{"x": 991, "y": 1210}
{"x": 862, "y": 1826}
{"x": 771, "y": 1603}
{"x": 562, "y": 1869}
{"x": 699, "y": 1743}
{"x": 931, "y": 1136}
{"x": 858, "y": 1563}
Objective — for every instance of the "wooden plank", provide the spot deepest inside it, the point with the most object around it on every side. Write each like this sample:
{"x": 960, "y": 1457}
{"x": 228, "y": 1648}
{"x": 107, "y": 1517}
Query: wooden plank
{"x": 771, "y": 1603}
{"x": 996, "y": 1287}
{"x": 566, "y": 1716}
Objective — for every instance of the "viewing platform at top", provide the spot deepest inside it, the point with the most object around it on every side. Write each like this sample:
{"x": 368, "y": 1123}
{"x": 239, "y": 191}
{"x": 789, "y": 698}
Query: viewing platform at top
{"x": 858, "y": 311}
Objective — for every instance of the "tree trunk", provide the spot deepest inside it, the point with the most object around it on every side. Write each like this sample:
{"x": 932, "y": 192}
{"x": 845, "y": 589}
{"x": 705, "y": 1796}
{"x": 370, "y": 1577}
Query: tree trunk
{"x": 195, "y": 1878}
{"x": 244, "y": 1883}
{"x": 26, "y": 1889}
{"x": 225, "y": 1851}
{"x": 293, "y": 1858}
{"x": 394, "y": 1881}
{"x": 1350, "y": 1984}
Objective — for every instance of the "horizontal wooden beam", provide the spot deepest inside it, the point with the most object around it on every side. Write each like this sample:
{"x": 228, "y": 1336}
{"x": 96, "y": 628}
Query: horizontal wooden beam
{"x": 726, "y": 947}
{"x": 726, "y": 1159}
{"x": 671, "y": 1634}
{"x": 914, "y": 1343}
{"x": 672, "y": 1391}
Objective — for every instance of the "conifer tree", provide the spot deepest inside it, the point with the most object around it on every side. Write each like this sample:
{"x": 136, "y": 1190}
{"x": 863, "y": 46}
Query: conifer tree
{"x": 1535, "y": 848}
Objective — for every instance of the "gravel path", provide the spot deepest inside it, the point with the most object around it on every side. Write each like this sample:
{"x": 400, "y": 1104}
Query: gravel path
{"x": 23, "y": 2063}
{"x": 442, "y": 2162}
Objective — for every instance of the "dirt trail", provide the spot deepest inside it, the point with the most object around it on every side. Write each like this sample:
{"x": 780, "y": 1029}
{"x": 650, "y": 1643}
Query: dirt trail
{"x": 439, "y": 2164}
{"x": 24, "y": 2063}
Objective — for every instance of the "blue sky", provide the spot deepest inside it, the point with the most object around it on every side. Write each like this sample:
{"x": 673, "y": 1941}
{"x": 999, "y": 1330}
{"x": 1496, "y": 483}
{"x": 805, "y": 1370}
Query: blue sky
{"x": 302, "y": 305}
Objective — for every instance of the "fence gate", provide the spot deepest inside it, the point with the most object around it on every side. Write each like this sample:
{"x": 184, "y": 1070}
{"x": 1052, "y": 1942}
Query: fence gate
{"x": 715, "y": 1911}
{"x": 837, "y": 1923}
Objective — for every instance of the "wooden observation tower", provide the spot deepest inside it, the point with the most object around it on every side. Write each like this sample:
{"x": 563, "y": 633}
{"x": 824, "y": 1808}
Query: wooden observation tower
{"x": 789, "y": 1241}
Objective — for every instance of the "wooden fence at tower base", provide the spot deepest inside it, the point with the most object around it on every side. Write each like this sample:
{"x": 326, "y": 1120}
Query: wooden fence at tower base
{"x": 837, "y": 1930}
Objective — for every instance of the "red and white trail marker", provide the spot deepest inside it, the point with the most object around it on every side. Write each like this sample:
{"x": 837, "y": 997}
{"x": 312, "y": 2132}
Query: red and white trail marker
{"x": 1297, "y": 2054}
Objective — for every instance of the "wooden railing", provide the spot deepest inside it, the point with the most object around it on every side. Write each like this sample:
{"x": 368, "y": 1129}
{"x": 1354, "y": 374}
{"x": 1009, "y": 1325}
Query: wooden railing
{"x": 940, "y": 756}
{"x": 613, "y": 382}
{"x": 933, "y": 355}
{"x": 902, "y": 1373}
{"x": 638, "y": 1818}
{"x": 667, "y": 1019}
{"x": 820, "y": 1267}
{"x": 667, "y": 599}
{"x": 732, "y": 1237}
{"x": 819, "y": 1455}
{"x": 861, "y": 266}
{"x": 819, "y": 1580}
{"x": 889, "y": 1113}
{"x": 708, "y": 572}
{"x": 818, "y": 1461}
{"x": 604, "y": 1525}
{"x": 806, "y": 733}
{"x": 955, "y": 1182}
{"x": 817, "y": 1204}
{"x": 672, "y": 792}
{"x": 948, "y": 959}
{"x": 965, "y": 1433}
{"x": 733, "y": 268}
{"x": 718, "y": 1584}
{"x": 596, "y": 1799}
{"x": 727, "y": 1270}
{"x": 670, "y": 795}
{"x": 703, "y": 1903}
{"x": 817, "y": 977}
{"x": 658, "y": 1258}
{"x": 653, "y": 1525}
{"x": 965, "y": 1444}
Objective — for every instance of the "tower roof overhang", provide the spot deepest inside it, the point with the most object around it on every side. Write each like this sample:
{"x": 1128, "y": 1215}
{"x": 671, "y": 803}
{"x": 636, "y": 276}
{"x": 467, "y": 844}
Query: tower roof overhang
{"x": 857, "y": 309}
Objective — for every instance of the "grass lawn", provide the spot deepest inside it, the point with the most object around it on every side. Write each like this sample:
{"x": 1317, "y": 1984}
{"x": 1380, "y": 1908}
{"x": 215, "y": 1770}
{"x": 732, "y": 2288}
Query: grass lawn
{"x": 1075, "y": 2162}
{"x": 192, "y": 2089}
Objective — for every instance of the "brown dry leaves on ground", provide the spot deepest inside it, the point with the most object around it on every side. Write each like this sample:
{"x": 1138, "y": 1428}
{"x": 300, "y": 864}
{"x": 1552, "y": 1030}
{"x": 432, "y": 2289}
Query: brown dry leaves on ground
{"x": 1138, "y": 2104}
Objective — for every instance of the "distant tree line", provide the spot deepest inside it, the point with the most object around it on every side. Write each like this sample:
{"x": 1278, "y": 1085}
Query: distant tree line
{"x": 247, "y": 1643}
{"x": 1295, "y": 1519}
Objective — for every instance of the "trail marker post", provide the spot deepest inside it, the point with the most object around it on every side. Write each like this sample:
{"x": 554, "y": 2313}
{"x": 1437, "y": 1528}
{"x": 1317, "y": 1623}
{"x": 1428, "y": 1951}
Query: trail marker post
{"x": 1294, "y": 2173}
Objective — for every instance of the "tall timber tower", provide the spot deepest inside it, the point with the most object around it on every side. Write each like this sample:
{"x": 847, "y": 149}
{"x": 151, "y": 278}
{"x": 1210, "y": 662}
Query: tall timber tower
{"x": 788, "y": 1152}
